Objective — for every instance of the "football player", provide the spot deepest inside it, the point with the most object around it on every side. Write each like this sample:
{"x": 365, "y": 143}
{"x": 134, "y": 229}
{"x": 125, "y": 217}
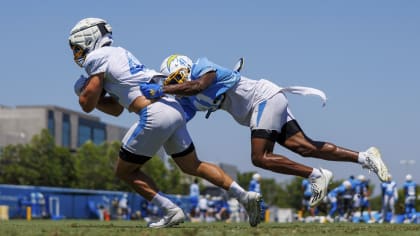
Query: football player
{"x": 410, "y": 194}
{"x": 389, "y": 198}
{"x": 263, "y": 107}
{"x": 333, "y": 197}
{"x": 115, "y": 71}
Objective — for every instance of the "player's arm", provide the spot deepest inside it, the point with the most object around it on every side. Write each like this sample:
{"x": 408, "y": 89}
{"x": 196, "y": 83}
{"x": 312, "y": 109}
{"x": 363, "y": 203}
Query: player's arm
{"x": 191, "y": 87}
{"x": 109, "y": 105}
{"x": 92, "y": 92}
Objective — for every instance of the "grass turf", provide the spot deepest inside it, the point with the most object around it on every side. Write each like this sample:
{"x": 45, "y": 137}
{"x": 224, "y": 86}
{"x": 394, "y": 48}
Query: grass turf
{"x": 122, "y": 228}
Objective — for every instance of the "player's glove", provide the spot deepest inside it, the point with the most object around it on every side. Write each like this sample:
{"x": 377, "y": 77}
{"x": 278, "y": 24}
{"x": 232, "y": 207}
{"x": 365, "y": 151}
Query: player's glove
{"x": 177, "y": 77}
{"x": 151, "y": 90}
{"x": 80, "y": 84}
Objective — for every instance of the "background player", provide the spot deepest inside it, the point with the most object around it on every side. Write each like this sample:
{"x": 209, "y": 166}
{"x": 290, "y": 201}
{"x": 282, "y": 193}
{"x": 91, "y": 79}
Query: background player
{"x": 410, "y": 194}
{"x": 389, "y": 198}
{"x": 334, "y": 197}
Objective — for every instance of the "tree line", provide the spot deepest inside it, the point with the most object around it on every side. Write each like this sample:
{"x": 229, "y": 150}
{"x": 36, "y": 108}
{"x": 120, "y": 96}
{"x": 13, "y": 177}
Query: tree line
{"x": 91, "y": 166}
{"x": 42, "y": 163}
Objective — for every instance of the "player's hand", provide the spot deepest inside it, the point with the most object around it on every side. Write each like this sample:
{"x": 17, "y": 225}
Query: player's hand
{"x": 80, "y": 84}
{"x": 151, "y": 90}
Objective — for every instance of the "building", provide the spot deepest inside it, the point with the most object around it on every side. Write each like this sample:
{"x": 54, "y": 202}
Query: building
{"x": 69, "y": 128}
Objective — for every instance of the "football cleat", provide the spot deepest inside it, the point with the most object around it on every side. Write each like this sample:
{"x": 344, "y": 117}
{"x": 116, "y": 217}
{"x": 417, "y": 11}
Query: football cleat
{"x": 374, "y": 163}
{"x": 319, "y": 187}
{"x": 173, "y": 217}
{"x": 252, "y": 203}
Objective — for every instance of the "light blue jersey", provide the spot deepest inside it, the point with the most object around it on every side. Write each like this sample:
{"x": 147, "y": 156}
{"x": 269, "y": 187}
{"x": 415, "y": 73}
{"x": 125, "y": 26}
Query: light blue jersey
{"x": 338, "y": 191}
{"x": 254, "y": 186}
{"x": 212, "y": 96}
{"x": 389, "y": 188}
{"x": 239, "y": 96}
{"x": 225, "y": 79}
{"x": 362, "y": 193}
{"x": 306, "y": 186}
{"x": 409, "y": 188}
{"x": 332, "y": 197}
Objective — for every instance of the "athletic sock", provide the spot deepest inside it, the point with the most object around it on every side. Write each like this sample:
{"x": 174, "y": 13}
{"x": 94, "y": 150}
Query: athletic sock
{"x": 163, "y": 202}
{"x": 362, "y": 158}
{"x": 237, "y": 191}
{"x": 316, "y": 173}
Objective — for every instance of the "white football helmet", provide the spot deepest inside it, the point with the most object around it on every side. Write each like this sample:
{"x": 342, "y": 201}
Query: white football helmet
{"x": 361, "y": 178}
{"x": 347, "y": 184}
{"x": 408, "y": 177}
{"x": 87, "y": 35}
{"x": 256, "y": 177}
{"x": 175, "y": 62}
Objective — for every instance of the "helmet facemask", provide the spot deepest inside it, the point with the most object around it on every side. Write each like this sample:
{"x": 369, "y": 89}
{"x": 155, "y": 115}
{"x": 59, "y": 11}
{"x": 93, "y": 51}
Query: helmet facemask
{"x": 89, "y": 34}
{"x": 179, "y": 76}
{"x": 79, "y": 55}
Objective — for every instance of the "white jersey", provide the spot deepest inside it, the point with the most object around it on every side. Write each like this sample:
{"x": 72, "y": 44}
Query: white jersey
{"x": 123, "y": 72}
{"x": 261, "y": 104}
{"x": 160, "y": 124}
{"x": 242, "y": 98}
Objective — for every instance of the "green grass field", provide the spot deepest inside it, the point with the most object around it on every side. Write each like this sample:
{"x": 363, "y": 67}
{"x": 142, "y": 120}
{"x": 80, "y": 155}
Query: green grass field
{"x": 120, "y": 228}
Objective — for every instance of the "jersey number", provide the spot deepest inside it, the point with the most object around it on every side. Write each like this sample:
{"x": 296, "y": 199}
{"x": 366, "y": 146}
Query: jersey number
{"x": 134, "y": 64}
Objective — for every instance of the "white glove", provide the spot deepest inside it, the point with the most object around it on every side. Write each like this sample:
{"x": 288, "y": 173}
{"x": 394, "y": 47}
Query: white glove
{"x": 80, "y": 84}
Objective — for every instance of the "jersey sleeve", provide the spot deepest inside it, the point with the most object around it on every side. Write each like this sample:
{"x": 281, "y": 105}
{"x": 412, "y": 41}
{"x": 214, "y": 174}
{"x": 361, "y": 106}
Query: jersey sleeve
{"x": 96, "y": 63}
{"x": 201, "y": 67}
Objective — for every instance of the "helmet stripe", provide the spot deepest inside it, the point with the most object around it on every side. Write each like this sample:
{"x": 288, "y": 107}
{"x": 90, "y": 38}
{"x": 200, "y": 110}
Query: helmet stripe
{"x": 170, "y": 59}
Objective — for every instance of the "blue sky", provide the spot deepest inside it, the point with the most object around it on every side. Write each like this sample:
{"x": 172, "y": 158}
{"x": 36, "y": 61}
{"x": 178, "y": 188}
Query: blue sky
{"x": 364, "y": 55}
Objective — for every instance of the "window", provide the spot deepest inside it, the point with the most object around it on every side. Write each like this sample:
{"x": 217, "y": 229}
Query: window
{"x": 91, "y": 130}
{"x": 84, "y": 134}
{"x": 98, "y": 135}
{"x": 66, "y": 134}
{"x": 51, "y": 123}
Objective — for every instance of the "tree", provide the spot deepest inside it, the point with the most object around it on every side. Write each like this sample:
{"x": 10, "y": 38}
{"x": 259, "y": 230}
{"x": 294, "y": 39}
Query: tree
{"x": 168, "y": 179}
{"x": 14, "y": 166}
{"x": 38, "y": 163}
{"x": 177, "y": 181}
{"x": 94, "y": 165}
{"x": 52, "y": 165}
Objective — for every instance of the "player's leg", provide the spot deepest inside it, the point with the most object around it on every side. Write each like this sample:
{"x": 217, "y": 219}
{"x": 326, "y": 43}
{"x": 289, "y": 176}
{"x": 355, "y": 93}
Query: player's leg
{"x": 189, "y": 163}
{"x": 142, "y": 141}
{"x": 385, "y": 208}
{"x": 413, "y": 213}
{"x": 413, "y": 209}
{"x": 267, "y": 119}
{"x": 262, "y": 156}
{"x": 333, "y": 209}
{"x": 369, "y": 210}
{"x": 293, "y": 138}
{"x": 131, "y": 173}
{"x": 128, "y": 169}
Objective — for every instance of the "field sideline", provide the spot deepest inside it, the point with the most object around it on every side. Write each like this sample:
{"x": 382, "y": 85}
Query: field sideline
{"x": 120, "y": 228}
